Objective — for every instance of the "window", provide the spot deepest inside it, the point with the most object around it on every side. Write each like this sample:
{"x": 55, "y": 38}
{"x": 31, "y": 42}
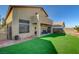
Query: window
{"x": 23, "y": 26}
{"x": 49, "y": 29}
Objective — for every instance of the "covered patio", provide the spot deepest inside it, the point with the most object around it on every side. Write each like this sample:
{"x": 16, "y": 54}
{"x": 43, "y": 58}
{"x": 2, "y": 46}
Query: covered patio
{"x": 41, "y": 25}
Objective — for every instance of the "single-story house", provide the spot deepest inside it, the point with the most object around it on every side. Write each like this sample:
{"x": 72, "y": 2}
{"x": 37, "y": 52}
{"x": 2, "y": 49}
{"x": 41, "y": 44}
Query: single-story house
{"x": 26, "y": 21}
{"x": 58, "y": 27}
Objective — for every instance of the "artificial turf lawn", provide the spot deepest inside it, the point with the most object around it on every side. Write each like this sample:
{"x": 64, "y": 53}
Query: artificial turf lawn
{"x": 35, "y": 46}
{"x": 66, "y": 44}
{"x": 52, "y": 43}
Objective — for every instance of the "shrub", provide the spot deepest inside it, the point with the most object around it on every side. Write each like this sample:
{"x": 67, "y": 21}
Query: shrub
{"x": 77, "y": 28}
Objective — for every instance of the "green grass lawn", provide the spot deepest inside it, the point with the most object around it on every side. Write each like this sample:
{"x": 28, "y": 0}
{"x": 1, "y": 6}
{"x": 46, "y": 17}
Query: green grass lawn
{"x": 64, "y": 43}
{"x": 35, "y": 46}
{"x": 52, "y": 43}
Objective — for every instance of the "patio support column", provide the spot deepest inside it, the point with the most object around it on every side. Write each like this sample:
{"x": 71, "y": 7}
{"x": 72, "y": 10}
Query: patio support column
{"x": 38, "y": 25}
{"x": 51, "y": 29}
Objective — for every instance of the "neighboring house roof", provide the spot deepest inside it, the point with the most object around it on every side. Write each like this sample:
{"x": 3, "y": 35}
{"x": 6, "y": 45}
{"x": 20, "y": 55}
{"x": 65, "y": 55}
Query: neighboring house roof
{"x": 57, "y": 24}
{"x": 22, "y": 6}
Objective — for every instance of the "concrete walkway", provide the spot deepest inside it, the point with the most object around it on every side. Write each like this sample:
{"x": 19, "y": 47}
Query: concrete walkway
{"x": 5, "y": 43}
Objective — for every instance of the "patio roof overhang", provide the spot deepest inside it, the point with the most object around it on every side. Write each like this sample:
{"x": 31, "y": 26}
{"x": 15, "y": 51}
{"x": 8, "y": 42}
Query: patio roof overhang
{"x": 45, "y": 21}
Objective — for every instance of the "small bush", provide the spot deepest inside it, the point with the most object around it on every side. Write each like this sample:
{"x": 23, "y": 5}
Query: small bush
{"x": 77, "y": 28}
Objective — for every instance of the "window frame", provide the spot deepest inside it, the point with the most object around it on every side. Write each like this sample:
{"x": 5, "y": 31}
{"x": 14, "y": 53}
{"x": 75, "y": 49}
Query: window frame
{"x": 24, "y": 22}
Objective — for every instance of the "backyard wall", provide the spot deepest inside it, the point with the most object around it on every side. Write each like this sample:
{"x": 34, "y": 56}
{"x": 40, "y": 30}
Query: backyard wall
{"x": 3, "y": 33}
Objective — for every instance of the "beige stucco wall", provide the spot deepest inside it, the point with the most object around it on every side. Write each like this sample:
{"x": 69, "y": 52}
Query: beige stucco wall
{"x": 25, "y": 13}
{"x": 9, "y": 18}
{"x": 22, "y": 13}
{"x": 3, "y": 33}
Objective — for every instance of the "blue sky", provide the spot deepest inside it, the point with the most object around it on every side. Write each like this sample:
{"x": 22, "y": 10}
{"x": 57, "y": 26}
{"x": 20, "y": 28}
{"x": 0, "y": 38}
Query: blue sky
{"x": 66, "y": 13}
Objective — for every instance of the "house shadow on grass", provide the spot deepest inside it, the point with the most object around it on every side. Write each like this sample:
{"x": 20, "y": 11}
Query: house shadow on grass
{"x": 55, "y": 35}
{"x": 35, "y": 46}
{"x": 47, "y": 46}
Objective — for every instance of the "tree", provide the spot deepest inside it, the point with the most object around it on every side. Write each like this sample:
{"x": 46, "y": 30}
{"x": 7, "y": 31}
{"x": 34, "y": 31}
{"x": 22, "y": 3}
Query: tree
{"x": 0, "y": 21}
{"x": 77, "y": 28}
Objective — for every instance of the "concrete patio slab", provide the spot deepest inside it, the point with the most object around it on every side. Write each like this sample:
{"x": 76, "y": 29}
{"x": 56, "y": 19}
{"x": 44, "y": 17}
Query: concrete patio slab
{"x": 5, "y": 43}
